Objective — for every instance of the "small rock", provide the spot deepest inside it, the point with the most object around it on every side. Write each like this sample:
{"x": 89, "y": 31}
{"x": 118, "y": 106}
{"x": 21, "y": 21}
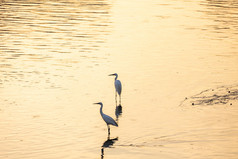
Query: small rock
{"x": 230, "y": 103}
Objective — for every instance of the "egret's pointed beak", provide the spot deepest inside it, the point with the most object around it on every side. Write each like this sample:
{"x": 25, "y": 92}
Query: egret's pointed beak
{"x": 97, "y": 103}
{"x": 112, "y": 74}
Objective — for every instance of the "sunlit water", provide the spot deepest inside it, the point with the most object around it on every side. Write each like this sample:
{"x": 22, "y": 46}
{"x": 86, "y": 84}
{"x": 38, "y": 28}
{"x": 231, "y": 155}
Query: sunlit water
{"x": 55, "y": 57}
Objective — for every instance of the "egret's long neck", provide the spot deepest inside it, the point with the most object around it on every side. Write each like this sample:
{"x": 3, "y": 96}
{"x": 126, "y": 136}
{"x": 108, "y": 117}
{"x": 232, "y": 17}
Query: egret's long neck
{"x": 101, "y": 110}
{"x": 116, "y": 77}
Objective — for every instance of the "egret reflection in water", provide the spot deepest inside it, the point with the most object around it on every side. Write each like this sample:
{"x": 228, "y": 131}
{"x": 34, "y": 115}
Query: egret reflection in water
{"x": 107, "y": 144}
{"x": 118, "y": 111}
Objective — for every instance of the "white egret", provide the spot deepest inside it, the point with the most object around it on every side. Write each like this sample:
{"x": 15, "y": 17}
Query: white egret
{"x": 109, "y": 120}
{"x": 117, "y": 84}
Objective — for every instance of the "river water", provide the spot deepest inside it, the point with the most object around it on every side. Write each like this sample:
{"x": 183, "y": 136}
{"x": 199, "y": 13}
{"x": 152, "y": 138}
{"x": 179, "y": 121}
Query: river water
{"x": 177, "y": 61}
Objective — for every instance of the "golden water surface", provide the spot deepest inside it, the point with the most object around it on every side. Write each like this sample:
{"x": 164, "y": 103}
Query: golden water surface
{"x": 55, "y": 57}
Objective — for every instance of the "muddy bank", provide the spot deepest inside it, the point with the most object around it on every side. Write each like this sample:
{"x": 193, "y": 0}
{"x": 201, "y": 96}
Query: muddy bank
{"x": 219, "y": 95}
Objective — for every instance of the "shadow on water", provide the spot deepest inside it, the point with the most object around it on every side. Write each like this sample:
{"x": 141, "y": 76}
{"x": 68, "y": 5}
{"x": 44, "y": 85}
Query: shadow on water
{"x": 108, "y": 144}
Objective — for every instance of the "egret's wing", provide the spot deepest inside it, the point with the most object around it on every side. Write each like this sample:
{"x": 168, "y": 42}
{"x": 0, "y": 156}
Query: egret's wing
{"x": 109, "y": 120}
{"x": 118, "y": 86}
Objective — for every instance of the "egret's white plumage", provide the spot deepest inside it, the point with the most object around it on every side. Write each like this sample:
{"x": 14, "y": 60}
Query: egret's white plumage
{"x": 117, "y": 84}
{"x": 109, "y": 120}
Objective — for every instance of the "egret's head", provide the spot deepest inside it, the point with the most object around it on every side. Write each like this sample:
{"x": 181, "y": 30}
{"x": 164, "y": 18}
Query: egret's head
{"x": 114, "y": 74}
{"x": 100, "y": 103}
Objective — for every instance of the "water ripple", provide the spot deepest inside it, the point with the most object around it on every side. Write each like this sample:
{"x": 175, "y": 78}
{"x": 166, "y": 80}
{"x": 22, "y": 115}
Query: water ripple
{"x": 44, "y": 31}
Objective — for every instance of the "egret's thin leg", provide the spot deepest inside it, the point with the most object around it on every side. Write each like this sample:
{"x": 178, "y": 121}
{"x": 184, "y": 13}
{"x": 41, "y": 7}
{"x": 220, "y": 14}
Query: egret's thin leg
{"x": 108, "y": 130}
{"x": 116, "y": 97}
{"x": 102, "y": 152}
{"x": 120, "y": 100}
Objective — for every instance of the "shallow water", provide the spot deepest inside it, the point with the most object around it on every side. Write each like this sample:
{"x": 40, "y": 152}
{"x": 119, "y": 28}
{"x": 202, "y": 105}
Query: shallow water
{"x": 55, "y": 57}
